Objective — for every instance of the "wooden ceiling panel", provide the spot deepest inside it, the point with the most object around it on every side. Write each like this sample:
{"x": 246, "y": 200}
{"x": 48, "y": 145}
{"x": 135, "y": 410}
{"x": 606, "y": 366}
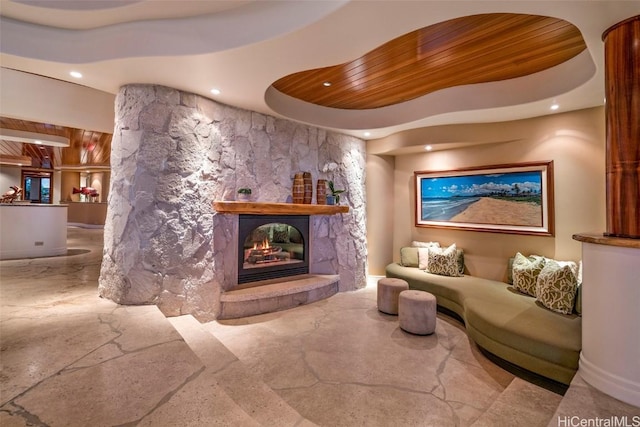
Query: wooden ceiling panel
{"x": 467, "y": 50}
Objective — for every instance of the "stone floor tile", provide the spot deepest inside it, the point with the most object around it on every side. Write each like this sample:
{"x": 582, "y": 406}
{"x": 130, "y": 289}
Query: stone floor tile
{"x": 118, "y": 391}
{"x": 523, "y": 404}
{"x": 35, "y": 349}
{"x": 200, "y": 402}
{"x": 583, "y": 404}
{"x": 365, "y": 405}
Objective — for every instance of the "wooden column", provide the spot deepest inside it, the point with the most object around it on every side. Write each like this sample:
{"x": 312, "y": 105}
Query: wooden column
{"x": 622, "y": 86}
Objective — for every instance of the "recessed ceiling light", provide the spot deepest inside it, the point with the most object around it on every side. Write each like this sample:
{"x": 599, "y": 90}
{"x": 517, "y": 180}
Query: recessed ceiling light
{"x": 215, "y": 91}
{"x": 76, "y": 74}
{"x": 367, "y": 134}
{"x": 326, "y": 84}
{"x": 428, "y": 148}
{"x": 37, "y": 142}
{"x": 555, "y": 107}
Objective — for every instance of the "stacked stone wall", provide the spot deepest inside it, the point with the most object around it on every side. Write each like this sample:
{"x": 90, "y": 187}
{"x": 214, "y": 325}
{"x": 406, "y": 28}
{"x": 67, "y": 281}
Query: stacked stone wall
{"x": 173, "y": 154}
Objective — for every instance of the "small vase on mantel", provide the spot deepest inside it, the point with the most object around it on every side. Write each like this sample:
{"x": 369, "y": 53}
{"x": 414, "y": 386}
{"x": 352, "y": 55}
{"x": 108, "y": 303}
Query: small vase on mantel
{"x": 321, "y": 192}
{"x": 308, "y": 187}
{"x": 298, "y": 188}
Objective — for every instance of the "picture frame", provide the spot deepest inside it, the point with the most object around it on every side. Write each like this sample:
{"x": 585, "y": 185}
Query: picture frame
{"x": 509, "y": 198}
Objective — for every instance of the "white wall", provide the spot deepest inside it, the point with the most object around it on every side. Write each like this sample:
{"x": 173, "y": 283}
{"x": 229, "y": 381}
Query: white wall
{"x": 40, "y": 99}
{"x": 380, "y": 210}
{"x": 9, "y": 175}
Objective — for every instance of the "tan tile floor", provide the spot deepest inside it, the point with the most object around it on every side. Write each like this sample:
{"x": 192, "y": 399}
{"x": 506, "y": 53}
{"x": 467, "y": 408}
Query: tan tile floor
{"x": 70, "y": 358}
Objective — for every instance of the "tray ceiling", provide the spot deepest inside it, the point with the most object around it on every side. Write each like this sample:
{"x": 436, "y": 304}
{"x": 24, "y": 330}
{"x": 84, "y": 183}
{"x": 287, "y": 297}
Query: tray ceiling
{"x": 462, "y": 51}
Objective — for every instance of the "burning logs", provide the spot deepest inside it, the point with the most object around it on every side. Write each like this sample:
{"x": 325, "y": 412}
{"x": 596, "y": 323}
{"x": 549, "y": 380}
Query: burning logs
{"x": 268, "y": 254}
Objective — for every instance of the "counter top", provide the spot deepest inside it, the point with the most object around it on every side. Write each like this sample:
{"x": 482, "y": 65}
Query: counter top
{"x": 601, "y": 239}
{"x": 72, "y": 202}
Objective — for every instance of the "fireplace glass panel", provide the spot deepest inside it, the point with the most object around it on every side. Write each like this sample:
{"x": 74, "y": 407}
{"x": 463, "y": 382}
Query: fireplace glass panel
{"x": 273, "y": 244}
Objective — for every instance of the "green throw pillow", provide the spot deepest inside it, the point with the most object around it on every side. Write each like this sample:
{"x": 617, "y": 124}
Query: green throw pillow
{"x": 579, "y": 276}
{"x": 444, "y": 261}
{"x": 460, "y": 261}
{"x": 510, "y": 271}
{"x": 578, "y": 306}
{"x": 281, "y": 235}
{"x": 556, "y": 287}
{"x": 295, "y": 236}
{"x": 409, "y": 257}
{"x": 525, "y": 273}
{"x": 423, "y": 259}
{"x": 571, "y": 264}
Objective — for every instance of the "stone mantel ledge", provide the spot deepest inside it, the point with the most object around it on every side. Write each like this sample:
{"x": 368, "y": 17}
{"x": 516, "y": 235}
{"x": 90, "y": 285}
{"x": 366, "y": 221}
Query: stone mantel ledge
{"x": 600, "y": 239}
{"x": 231, "y": 207}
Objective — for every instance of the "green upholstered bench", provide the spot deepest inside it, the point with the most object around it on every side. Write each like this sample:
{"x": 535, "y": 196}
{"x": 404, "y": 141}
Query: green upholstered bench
{"x": 506, "y": 323}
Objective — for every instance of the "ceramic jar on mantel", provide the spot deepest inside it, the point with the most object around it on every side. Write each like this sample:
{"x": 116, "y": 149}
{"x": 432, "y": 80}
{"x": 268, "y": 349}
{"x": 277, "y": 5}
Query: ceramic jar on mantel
{"x": 308, "y": 188}
{"x": 321, "y": 192}
{"x": 298, "y": 188}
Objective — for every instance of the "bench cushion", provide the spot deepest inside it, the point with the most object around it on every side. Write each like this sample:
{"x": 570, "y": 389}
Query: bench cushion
{"x": 505, "y": 322}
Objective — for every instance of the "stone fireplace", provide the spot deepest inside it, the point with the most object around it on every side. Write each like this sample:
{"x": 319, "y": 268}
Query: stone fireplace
{"x": 281, "y": 259}
{"x": 272, "y": 246}
{"x": 173, "y": 155}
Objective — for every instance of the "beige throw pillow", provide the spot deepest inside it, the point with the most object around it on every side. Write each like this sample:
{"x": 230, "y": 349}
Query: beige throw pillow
{"x": 444, "y": 261}
{"x": 423, "y": 258}
{"x": 556, "y": 287}
{"x": 525, "y": 273}
{"x": 571, "y": 264}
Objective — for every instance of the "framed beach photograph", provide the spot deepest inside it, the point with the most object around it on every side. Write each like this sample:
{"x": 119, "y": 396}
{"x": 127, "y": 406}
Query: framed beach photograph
{"x": 513, "y": 198}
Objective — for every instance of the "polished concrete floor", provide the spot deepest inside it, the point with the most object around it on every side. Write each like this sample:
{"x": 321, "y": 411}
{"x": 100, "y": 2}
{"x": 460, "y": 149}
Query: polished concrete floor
{"x": 69, "y": 358}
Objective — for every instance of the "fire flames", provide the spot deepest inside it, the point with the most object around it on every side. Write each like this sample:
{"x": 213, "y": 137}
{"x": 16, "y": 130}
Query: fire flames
{"x": 262, "y": 245}
{"x": 264, "y": 252}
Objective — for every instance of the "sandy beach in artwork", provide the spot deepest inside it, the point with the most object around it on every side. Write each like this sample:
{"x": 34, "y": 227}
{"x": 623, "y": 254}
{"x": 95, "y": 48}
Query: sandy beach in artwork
{"x": 495, "y": 211}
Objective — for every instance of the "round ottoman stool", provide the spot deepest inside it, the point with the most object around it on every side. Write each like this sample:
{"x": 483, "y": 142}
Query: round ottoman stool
{"x": 388, "y": 291}
{"x": 417, "y": 312}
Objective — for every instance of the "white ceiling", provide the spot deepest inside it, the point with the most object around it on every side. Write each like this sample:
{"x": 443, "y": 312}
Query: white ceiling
{"x": 242, "y": 47}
